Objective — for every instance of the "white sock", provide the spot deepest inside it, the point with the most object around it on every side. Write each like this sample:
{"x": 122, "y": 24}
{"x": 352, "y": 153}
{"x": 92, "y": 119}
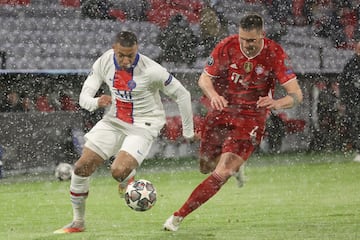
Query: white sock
{"x": 79, "y": 189}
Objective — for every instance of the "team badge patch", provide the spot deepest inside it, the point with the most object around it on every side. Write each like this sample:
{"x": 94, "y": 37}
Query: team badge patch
{"x": 210, "y": 61}
{"x": 248, "y": 66}
{"x": 287, "y": 62}
{"x": 259, "y": 69}
{"x": 131, "y": 84}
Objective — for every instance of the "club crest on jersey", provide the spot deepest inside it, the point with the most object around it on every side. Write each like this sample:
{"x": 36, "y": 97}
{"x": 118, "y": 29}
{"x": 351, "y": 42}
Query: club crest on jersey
{"x": 259, "y": 69}
{"x": 248, "y": 66}
{"x": 131, "y": 84}
{"x": 210, "y": 61}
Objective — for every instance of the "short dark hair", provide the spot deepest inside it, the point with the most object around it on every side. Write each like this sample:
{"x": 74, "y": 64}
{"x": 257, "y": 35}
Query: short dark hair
{"x": 126, "y": 39}
{"x": 252, "y": 21}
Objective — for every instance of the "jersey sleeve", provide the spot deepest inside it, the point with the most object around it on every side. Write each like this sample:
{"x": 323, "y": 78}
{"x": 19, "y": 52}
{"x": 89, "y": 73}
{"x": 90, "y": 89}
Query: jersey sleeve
{"x": 172, "y": 87}
{"x": 215, "y": 64}
{"x": 282, "y": 65}
{"x": 90, "y": 88}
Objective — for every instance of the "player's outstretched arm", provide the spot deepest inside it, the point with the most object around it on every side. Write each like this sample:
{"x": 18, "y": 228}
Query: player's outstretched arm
{"x": 217, "y": 102}
{"x": 293, "y": 98}
{"x": 177, "y": 92}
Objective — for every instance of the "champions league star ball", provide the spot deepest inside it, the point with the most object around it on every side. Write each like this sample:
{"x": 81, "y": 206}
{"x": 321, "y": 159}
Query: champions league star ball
{"x": 63, "y": 171}
{"x": 140, "y": 195}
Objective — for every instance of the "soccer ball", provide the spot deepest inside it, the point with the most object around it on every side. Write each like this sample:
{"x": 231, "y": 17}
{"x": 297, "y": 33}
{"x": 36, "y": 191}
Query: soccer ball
{"x": 63, "y": 171}
{"x": 140, "y": 195}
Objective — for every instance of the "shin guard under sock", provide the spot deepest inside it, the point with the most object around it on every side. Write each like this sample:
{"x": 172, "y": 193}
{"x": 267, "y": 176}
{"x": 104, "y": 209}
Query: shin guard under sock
{"x": 79, "y": 190}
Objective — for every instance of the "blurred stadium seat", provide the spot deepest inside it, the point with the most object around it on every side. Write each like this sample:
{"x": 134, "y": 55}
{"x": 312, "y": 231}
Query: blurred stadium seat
{"x": 53, "y": 29}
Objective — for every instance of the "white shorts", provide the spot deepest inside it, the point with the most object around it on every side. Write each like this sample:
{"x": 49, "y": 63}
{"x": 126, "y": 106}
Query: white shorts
{"x": 107, "y": 140}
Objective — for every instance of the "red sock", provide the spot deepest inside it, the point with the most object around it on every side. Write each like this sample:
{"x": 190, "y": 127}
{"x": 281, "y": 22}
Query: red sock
{"x": 203, "y": 192}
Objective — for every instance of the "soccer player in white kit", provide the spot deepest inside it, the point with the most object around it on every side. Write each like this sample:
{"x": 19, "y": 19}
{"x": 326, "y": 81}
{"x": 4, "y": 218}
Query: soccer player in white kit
{"x": 134, "y": 117}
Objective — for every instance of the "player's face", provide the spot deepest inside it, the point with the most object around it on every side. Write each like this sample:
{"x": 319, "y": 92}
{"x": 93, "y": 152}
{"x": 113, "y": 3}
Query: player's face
{"x": 251, "y": 41}
{"x": 125, "y": 56}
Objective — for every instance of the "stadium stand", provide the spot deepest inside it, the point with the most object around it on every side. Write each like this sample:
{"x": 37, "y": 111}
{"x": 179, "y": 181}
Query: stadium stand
{"x": 53, "y": 34}
{"x": 45, "y": 42}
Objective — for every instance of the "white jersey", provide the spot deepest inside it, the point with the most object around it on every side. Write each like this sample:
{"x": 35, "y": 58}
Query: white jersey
{"x": 136, "y": 101}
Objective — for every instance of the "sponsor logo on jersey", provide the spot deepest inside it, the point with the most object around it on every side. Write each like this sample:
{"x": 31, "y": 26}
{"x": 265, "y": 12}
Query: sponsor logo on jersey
{"x": 234, "y": 66}
{"x": 123, "y": 95}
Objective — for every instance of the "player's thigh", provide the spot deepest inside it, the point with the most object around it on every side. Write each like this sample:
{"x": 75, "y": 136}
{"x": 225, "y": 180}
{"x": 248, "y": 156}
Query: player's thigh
{"x": 212, "y": 139}
{"x": 134, "y": 150}
{"x": 88, "y": 162}
{"x": 239, "y": 147}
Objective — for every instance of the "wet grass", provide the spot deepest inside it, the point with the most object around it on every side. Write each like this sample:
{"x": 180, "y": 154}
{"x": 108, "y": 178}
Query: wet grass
{"x": 287, "y": 196}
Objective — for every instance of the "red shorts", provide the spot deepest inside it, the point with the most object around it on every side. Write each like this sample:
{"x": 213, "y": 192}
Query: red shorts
{"x": 227, "y": 134}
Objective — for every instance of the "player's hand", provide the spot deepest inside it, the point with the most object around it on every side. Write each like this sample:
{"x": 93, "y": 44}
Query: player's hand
{"x": 266, "y": 102}
{"x": 104, "y": 101}
{"x": 192, "y": 139}
{"x": 218, "y": 103}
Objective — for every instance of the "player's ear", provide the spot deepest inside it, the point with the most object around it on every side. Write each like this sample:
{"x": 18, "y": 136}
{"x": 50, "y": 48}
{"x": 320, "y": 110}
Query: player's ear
{"x": 263, "y": 34}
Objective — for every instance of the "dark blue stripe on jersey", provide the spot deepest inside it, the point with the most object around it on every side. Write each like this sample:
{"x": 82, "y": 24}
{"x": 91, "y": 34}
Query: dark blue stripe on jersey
{"x": 136, "y": 60}
{"x": 117, "y": 67}
{"x": 168, "y": 81}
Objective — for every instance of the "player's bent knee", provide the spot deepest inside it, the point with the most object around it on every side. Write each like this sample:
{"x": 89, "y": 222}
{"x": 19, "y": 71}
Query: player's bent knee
{"x": 206, "y": 166}
{"x": 204, "y": 170}
{"x": 84, "y": 170}
{"x": 120, "y": 174}
{"x": 229, "y": 164}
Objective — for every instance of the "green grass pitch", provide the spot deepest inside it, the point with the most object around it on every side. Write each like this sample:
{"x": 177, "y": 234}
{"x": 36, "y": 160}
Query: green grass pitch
{"x": 286, "y": 196}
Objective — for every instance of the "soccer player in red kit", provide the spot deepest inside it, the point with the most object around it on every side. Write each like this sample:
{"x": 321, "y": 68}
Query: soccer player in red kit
{"x": 238, "y": 82}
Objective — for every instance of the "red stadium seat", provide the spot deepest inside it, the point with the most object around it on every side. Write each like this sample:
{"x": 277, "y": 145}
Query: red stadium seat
{"x": 42, "y": 104}
{"x": 15, "y": 2}
{"x": 118, "y": 14}
{"x": 292, "y": 125}
{"x": 67, "y": 104}
{"x": 70, "y": 3}
{"x": 172, "y": 130}
{"x": 161, "y": 11}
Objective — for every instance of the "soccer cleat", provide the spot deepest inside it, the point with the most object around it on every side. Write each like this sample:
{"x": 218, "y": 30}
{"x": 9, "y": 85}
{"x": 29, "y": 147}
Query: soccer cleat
{"x": 123, "y": 186}
{"x": 357, "y": 158}
{"x": 74, "y": 227}
{"x": 240, "y": 176}
{"x": 173, "y": 223}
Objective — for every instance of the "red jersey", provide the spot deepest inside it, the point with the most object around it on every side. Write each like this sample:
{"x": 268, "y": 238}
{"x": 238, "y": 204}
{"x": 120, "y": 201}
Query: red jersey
{"x": 242, "y": 80}
{"x": 239, "y": 127}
